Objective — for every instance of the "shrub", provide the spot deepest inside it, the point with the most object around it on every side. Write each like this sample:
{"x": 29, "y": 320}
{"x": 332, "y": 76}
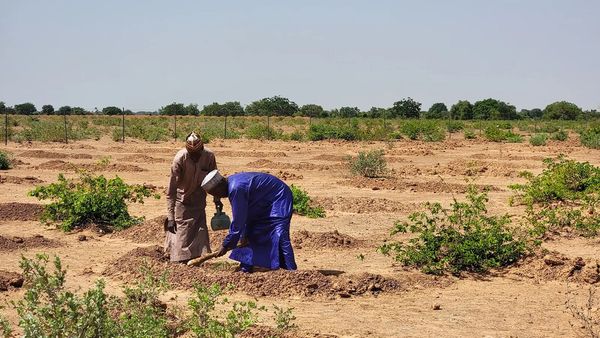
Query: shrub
{"x": 204, "y": 322}
{"x": 563, "y": 196}
{"x": 284, "y": 319}
{"x": 538, "y": 139}
{"x": 590, "y": 137}
{"x": 369, "y": 164}
{"x": 5, "y": 327}
{"x": 496, "y": 134}
{"x": 514, "y": 138}
{"x": 318, "y": 132}
{"x": 303, "y": 204}
{"x": 93, "y": 199}
{"x": 262, "y": 132}
{"x": 560, "y": 135}
{"x": 297, "y": 136}
{"x": 462, "y": 238}
{"x": 411, "y": 129}
{"x": 454, "y": 126}
{"x": 5, "y": 162}
{"x": 470, "y": 134}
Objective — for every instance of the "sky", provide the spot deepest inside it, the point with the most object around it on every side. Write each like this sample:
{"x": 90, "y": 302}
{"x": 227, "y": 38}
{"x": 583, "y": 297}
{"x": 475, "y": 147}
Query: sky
{"x": 142, "y": 55}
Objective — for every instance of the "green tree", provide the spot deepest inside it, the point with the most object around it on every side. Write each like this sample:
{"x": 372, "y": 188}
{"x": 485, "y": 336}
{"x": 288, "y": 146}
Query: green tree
{"x": 111, "y": 110}
{"x": 65, "y": 110}
{"x": 462, "y": 110}
{"x": 192, "y": 109}
{"x": 347, "y": 112}
{"x": 233, "y": 108}
{"x": 406, "y": 108}
{"x": 535, "y": 113}
{"x": 25, "y": 108}
{"x": 47, "y": 109}
{"x": 492, "y": 109}
{"x": 276, "y": 105}
{"x": 78, "y": 111}
{"x": 173, "y": 109}
{"x": 437, "y": 111}
{"x": 376, "y": 112}
{"x": 562, "y": 110}
{"x": 312, "y": 110}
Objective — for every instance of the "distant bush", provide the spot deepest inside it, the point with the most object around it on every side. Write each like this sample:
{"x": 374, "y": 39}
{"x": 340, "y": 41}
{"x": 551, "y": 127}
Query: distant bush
{"x": 91, "y": 200}
{"x": 560, "y": 135}
{"x": 470, "y": 134}
{"x": 461, "y": 238}
{"x": 591, "y": 137}
{"x": 514, "y": 138}
{"x": 426, "y": 130}
{"x": 495, "y": 133}
{"x": 5, "y": 162}
{"x": 262, "y": 132}
{"x": 538, "y": 139}
{"x": 318, "y": 132}
{"x": 303, "y": 205}
{"x": 369, "y": 164}
{"x": 564, "y": 195}
{"x": 454, "y": 126}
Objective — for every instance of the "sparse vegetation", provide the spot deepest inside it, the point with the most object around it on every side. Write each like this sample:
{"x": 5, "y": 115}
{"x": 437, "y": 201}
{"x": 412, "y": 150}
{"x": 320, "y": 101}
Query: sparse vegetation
{"x": 538, "y": 139}
{"x": 369, "y": 164}
{"x": 284, "y": 318}
{"x": 303, "y": 205}
{"x": 5, "y": 162}
{"x": 586, "y": 315}
{"x": 90, "y": 200}
{"x": 563, "y": 196}
{"x": 461, "y": 238}
{"x": 590, "y": 137}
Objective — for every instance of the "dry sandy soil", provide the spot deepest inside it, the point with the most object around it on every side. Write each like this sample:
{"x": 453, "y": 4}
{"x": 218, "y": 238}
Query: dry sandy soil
{"x": 334, "y": 292}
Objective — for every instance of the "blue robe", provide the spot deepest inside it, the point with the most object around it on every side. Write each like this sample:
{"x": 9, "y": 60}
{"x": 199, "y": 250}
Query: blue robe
{"x": 262, "y": 207}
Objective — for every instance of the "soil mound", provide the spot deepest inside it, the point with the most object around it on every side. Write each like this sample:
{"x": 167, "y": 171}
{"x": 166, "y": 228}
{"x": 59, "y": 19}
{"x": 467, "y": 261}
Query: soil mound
{"x": 53, "y": 155}
{"x": 67, "y": 166}
{"x": 479, "y": 168}
{"x": 16, "y": 243}
{"x": 285, "y": 175}
{"x": 261, "y": 331}
{"x": 141, "y": 158}
{"x": 14, "y": 211}
{"x": 323, "y": 240}
{"x": 20, "y": 180}
{"x": 555, "y": 266}
{"x": 264, "y": 163}
{"x": 392, "y": 183}
{"x": 234, "y": 153}
{"x": 331, "y": 157}
{"x": 506, "y": 157}
{"x": 277, "y": 283}
{"x": 363, "y": 205}
{"x": 10, "y": 280}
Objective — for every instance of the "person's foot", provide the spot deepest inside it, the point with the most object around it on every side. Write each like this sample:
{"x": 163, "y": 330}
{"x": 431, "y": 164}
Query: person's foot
{"x": 246, "y": 268}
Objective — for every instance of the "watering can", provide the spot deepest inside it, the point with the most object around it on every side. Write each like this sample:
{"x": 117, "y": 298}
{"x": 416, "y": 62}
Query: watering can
{"x": 220, "y": 221}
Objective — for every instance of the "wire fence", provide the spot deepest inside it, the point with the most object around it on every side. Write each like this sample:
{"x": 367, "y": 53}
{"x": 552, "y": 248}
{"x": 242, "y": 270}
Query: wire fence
{"x": 153, "y": 128}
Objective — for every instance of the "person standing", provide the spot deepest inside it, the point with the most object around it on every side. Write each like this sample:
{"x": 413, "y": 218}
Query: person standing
{"x": 262, "y": 207}
{"x": 185, "y": 227}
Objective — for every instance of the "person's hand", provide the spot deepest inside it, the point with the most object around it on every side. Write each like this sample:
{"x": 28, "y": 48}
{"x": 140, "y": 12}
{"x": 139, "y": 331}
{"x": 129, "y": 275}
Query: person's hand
{"x": 171, "y": 226}
{"x": 222, "y": 251}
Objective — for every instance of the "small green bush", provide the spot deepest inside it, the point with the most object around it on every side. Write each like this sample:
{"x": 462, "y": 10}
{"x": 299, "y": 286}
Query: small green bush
{"x": 514, "y": 138}
{"x": 564, "y": 195}
{"x": 411, "y": 129}
{"x": 454, "y": 126}
{"x": 496, "y": 134}
{"x": 284, "y": 318}
{"x": 470, "y": 134}
{"x": 303, "y": 205}
{"x": 91, "y": 200}
{"x": 590, "y": 137}
{"x": 369, "y": 164}
{"x": 538, "y": 140}
{"x": 5, "y": 162}
{"x": 560, "y": 135}
{"x": 318, "y": 132}
{"x": 461, "y": 238}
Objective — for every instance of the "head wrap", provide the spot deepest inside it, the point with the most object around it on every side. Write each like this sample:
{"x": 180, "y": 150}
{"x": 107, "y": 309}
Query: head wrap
{"x": 193, "y": 143}
{"x": 211, "y": 180}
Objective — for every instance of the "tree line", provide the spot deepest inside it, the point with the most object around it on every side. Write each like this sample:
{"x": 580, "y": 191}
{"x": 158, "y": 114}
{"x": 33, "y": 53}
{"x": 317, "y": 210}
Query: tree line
{"x": 488, "y": 109}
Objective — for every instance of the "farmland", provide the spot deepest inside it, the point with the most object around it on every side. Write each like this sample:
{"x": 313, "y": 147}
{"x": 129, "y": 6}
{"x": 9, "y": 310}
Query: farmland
{"x": 344, "y": 285}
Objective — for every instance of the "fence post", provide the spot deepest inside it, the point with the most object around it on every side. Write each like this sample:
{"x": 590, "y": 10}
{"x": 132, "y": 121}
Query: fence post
{"x": 269, "y": 127}
{"x": 6, "y": 127}
{"x": 123, "y": 127}
{"x": 175, "y": 128}
{"x": 225, "y": 129}
{"x": 66, "y": 135}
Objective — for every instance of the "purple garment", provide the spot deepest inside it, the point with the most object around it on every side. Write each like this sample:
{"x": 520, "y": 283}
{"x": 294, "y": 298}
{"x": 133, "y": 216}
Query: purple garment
{"x": 261, "y": 211}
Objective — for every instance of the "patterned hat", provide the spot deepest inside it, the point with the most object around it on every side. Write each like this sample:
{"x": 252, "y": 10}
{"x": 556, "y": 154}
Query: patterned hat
{"x": 193, "y": 143}
{"x": 211, "y": 180}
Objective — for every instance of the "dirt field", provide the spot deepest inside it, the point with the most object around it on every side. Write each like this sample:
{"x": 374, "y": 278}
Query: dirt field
{"x": 333, "y": 292}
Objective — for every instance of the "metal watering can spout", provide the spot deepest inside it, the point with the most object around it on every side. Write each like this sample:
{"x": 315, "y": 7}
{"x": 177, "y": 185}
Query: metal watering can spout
{"x": 220, "y": 221}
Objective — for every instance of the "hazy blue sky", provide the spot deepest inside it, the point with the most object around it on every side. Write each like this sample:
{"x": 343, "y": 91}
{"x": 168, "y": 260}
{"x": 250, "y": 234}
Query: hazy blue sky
{"x": 144, "y": 54}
